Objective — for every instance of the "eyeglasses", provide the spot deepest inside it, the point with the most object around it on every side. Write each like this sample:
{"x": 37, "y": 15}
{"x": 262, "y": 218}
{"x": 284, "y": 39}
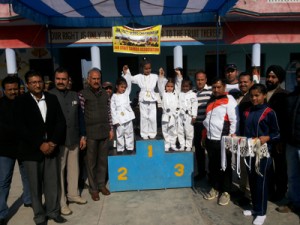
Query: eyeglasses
{"x": 35, "y": 82}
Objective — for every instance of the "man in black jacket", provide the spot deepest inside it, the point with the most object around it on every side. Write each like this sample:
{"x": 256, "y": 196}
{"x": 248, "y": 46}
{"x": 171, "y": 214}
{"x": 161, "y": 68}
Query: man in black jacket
{"x": 292, "y": 129}
{"x": 8, "y": 147}
{"x": 41, "y": 128}
{"x": 276, "y": 98}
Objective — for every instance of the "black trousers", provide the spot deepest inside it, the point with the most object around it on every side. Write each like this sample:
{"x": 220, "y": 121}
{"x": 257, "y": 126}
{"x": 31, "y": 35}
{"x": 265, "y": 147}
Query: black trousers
{"x": 43, "y": 178}
{"x": 200, "y": 152}
{"x": 219, "y": 179}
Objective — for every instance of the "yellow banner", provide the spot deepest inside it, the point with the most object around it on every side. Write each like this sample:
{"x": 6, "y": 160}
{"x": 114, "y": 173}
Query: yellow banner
{"x": 137, "y": 41}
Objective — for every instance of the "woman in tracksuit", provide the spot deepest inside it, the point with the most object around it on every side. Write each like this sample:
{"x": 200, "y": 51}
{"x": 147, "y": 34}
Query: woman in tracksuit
{"x": 260, "y": 123}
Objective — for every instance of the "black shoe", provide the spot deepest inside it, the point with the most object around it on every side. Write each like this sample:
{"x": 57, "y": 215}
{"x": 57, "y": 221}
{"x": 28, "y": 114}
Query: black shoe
{"x": 3, "y": 222}
{"x": 59, "y": 219}
{"x": 28, "y": 205}
{"x": 42, "y": 223}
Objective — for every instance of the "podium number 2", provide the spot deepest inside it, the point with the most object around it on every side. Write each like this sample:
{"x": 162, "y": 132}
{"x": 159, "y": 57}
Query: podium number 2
{"x": 123, "y": 173}
{"x": 150, "y": 152}
{"x": 180, "y": 170}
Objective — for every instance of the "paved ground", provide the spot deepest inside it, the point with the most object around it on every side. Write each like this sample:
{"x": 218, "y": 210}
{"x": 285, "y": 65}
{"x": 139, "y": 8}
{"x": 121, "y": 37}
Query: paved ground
{"x": 184, "y": 206}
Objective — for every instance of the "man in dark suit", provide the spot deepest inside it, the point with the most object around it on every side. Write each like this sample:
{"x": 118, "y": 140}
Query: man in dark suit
{"x": 8, "y": 147}
{"x": 276, "y": 98}
{"x": 41, "y": 129}
{"x": 245, "y": 83}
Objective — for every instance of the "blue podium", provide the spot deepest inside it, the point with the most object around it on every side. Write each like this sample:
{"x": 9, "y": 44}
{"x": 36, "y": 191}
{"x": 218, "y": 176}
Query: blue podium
{"x": 150, "y": 168}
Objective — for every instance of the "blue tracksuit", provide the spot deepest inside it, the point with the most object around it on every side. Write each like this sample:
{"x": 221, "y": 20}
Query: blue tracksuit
{"x": 260, "y": 120}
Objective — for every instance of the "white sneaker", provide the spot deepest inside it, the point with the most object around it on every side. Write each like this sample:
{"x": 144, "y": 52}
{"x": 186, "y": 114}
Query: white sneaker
{"x": 212, "y": 194}
{"x": 224, "y": 199}
{"x": 65, "y": 210}
{"x": 248, "y": 212}
{"x": 259, "y": 220}
{"x": 77, "y": 199}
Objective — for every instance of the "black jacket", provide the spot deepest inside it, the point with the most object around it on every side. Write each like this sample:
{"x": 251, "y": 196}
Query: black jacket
{"x": 8, "y": 131}
{"x": 32, "y": 128}
{"x": 292, "y": 128}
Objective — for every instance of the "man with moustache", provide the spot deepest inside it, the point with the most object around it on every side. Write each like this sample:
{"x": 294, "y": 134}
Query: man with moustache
{"x": 221, "y": 119}
{"x": 95, "y": 104}
{"x": 203, "y": 92}
{"x": 245, "y": 83}
{"x": 75, "y": 141}
{"x": 41, "y": 127}
{"x": 276, "y": 98}
{"x": 9, "y": 147}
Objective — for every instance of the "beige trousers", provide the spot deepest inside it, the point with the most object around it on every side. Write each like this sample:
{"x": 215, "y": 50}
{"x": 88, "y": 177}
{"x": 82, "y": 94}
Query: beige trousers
{"x": 69, "y": 172}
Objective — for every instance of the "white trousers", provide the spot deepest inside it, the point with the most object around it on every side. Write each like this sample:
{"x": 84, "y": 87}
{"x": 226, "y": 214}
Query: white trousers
{"x": 69, "y": 171}
{"x": 125, "y": 137}
{"x": 185, "y": 131}
{"x": 148, "y": 124}
{"x": 170, "y": 134}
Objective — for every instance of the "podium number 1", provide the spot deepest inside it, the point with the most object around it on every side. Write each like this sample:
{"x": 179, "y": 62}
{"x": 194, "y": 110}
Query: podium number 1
{"x": 123, "y": 173}
{"x": 150, "y": 152}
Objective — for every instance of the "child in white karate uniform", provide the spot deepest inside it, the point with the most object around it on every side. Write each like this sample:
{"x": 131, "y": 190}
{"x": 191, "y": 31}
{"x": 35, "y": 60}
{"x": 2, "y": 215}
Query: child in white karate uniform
{"x": 170, "y": 115}
{"x": 147, "y": 82}
{"x": 122, "y": 116}
{"x": 188, "y": 105}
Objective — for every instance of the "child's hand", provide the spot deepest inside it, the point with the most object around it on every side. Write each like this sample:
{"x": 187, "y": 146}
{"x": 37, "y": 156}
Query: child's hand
{"x": 178, "y": 73}
{"x": 193, "y": 120}
{"x": 264, "y": 139}
{"x": 161, "y": 72}
{"x": 125, "y": 68}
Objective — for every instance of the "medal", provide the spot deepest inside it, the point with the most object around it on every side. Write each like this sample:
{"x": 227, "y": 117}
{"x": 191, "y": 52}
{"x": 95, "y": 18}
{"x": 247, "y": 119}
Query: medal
{"x": 148, "y": 94}
{"x": 122, "y": 114}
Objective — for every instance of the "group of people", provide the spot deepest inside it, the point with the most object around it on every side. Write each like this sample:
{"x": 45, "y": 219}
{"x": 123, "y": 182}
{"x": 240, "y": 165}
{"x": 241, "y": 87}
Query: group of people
{"x": 260, "y": 113}
{"x": 46, "y": 131}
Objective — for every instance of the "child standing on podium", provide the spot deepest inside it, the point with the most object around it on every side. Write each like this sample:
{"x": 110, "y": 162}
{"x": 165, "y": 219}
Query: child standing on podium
{"x": 188, "y": 106}
{"x": 147, "y": 82}
{"x": 122, "y": 116}
{"x": 170, "y": 115}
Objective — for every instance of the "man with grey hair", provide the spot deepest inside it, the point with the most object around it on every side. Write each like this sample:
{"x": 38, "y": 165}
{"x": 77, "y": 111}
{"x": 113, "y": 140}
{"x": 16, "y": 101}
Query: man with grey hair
{"x": 95, "y": 104}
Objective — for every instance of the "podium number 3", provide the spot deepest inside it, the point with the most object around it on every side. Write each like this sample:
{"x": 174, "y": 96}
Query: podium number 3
{"x": 150, "y": 152}
{"x": 180, "y": 170}
{"x": 123, "y": 173}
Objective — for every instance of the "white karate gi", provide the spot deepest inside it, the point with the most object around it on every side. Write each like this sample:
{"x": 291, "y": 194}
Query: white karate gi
{"x": 147, "y": 102}
{"x": 169, "y": 119}
{"x": 123, "y": 115}
{"x": 188, "y": 105}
